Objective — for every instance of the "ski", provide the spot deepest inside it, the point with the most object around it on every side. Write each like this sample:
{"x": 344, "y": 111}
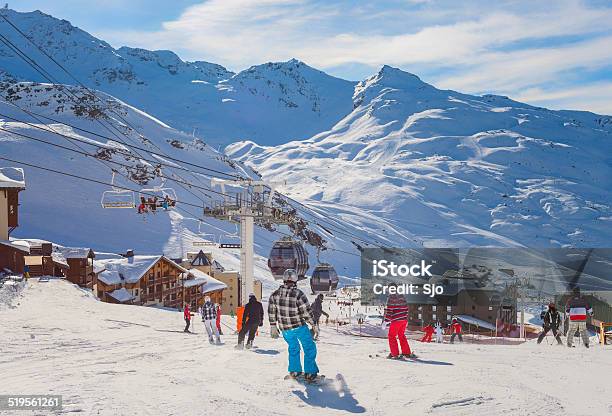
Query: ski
{"x": 301, "y": 379}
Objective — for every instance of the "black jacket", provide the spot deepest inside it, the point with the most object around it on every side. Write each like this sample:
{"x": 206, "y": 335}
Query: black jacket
{"x": 552, "y": 319}
{"x": 253, "y": 312}
{"x": 317, "y": 310}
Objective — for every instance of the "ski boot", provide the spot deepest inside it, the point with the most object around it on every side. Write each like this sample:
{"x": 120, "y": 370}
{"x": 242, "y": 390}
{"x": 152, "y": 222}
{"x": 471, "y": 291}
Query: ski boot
{"x": 586, "y": 345}
{"x": 293, "y": 375}
{"x": 240, "y": 346}
{"x": 211, "y": 340}
{"x": 249, "y": 345}
{"x": 218, "y": 341}
{"x": 394, "y": 357}
{"x": 310, "y": 377}
{"x": 411, "y": 355}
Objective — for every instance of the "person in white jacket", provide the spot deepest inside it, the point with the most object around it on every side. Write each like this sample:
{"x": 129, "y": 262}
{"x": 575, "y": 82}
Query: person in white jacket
{"x": 439, "y": 333}
{"x": 209, "y": 317}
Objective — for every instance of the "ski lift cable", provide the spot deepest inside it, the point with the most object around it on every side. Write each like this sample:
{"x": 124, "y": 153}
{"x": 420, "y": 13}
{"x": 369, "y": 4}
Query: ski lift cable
{"x": 93, "y": 94}
{"x": 59, "y": 172}
{"x": 47, "y": 76}
{"x": 121, "y": 151}
{"x": 93, "y": 156}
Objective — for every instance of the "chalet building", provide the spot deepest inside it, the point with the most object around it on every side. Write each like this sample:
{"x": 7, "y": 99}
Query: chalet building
{"x": 490, "y": 306}
{"x": 81, "y": 266}
{"x": 44, "y": 260}
{"x": 153, "y": 280}
{"x": 12, "y": 256}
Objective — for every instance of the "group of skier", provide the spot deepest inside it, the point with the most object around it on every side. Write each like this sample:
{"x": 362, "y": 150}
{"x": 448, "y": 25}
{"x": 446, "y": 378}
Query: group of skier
{"x": 454, "y": 329}
{"x": 576, "y": 309}
{"x": 289, "y": 313}
{"x": 152, "y": 203}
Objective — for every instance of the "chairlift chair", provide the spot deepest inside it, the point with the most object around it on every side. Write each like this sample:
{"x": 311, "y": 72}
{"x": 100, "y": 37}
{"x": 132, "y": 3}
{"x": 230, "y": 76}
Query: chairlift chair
{"x": 230, "y": 240}
{"x": 117, "y": 197}
{"x": 208, "y": 239}
{"x": 288, "y": 253}
{"x": 161, "y": 192}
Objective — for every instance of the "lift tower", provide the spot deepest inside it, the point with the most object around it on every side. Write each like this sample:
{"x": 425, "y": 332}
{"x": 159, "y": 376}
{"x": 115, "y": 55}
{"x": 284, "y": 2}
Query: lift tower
{"x": 252, "y": 206}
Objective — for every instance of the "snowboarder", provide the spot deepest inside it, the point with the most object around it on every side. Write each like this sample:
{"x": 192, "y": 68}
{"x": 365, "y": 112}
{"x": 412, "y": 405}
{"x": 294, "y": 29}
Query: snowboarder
{"x": 317, "y": 311}
{"x": 289, "y": 312}
{"x": 429, "y": 331}
{"x": 456, "y": 331}
{"x": 396, "y": 316}
{"x": 439, "y": 333}
{"x": 219, "y": 318}
{"x": 577, "y": 308}
{"x": 552, "y": 321}
{"x": 209, "y": 317}
{"x": 252, "y": 318}
{"x": 187, "y": 316}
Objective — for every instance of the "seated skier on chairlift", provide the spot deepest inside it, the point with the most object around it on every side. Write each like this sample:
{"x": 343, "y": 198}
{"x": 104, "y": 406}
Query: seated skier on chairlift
{"x": 142, "y": 208}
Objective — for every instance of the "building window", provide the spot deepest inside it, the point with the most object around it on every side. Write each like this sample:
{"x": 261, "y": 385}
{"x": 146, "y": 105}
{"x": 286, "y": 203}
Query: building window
{"x": 473, "y": 307}
{"x": 433, "y": 308}
{"x": 136, "y": 292}
{"x": 433, "y": 316}
{"x": 449, "y": 309}
{"x": 420, "y": 308}
{"x": 448, "y": 317}
{"x": 490, "y": 307}
{"x": 420, "y": 316}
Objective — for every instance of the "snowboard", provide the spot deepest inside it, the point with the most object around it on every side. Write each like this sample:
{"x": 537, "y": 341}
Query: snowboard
{"x": 300, "y": 379}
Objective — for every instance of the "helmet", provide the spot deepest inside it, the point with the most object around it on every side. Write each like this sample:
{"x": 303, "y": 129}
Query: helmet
{"x": 252, "y": 295}
{"x": 290, "y": 276}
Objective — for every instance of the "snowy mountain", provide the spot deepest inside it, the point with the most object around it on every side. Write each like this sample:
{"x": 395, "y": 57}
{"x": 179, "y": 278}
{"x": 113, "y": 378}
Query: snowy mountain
{"x": 443, "y": 168}
{"x": 270, "y": 103}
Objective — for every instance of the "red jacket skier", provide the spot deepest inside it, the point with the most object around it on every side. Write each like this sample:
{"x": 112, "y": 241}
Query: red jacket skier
{"x": 187, "y": 316}
{"x": 218, "y": 321}
{"x": 396, "y": 314}
{"x": 456, "y": 331}
{"x": 429, "y": 330}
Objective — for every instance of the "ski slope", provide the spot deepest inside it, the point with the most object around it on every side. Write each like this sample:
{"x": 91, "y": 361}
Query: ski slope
{"x": 123, "y": 360}
{"x": 422, "y": 166}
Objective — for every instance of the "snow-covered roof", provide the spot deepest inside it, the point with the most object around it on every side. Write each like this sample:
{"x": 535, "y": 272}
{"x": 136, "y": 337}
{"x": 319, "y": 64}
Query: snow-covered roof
{"x": 124, "y": 270}
{"x": 121, "y": 295}
{"x": 77, "y": 253}
{"x": 476, "y": 321}
{"x": 209, "y": 283}
{"x": 59, "y": 258}
{"x": 19, "y": 245}
{"x": 12, "y": 178}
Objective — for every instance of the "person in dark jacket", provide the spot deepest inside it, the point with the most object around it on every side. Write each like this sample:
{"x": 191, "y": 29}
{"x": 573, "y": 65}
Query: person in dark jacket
{"x": 289, "y": 312}
{"x": 552, "y": 321}
{"x": 317, "y": 311}
{"x": 396, "y": 316}
{"x": 577, "y": 310}
{"x": 252, "y": 318}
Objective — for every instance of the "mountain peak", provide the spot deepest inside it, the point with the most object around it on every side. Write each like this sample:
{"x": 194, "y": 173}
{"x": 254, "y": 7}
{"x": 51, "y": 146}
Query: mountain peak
{"x": 395, "y": 77}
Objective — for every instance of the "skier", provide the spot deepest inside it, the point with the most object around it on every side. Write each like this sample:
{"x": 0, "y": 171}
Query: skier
{"x": 429, "y": 330}
{"x": 289, "y": 312}
{"x": 552, "y": 321}
{"x": 456, "y": 331}
{"x": 187, "y": 316}
{"x": 317, "y": 311}
{"x": 219, "y": 318}
{"x": 439, "y": 333}
{"x": 209, "y": 317}
{"x": 396, "y": 316}
{"x": 577, "y": 308}
{"x": 26, "y": 272}
{"x": 252, "y": 318}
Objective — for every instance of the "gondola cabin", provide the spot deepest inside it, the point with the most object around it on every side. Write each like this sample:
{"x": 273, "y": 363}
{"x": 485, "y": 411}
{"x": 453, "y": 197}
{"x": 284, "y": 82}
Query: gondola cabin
{"x": 324, "y": 279}
{"x": 288, "y": 253}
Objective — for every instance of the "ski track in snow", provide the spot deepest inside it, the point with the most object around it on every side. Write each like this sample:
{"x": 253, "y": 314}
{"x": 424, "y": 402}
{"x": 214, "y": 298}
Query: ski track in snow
{"x": 119, "y": 360}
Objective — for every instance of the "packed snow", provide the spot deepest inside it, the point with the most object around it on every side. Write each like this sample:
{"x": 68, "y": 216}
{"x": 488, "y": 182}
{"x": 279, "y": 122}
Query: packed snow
{"x": 119, "y": 360}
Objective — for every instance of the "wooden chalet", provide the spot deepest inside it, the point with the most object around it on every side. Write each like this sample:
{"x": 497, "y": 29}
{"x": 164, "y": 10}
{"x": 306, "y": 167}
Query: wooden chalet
{"x": 12, "y": 256}
{"x": 81, "y": 266}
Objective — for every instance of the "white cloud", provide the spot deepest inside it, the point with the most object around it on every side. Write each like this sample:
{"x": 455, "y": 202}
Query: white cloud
{"x": 485, "y": 53}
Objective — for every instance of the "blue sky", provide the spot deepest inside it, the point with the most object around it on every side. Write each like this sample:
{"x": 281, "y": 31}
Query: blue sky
{"x": 556, "y": 54}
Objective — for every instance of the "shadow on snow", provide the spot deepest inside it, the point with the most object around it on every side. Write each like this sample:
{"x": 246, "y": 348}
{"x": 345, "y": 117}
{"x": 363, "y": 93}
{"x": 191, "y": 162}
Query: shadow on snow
{"x": 330, "y": 394}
